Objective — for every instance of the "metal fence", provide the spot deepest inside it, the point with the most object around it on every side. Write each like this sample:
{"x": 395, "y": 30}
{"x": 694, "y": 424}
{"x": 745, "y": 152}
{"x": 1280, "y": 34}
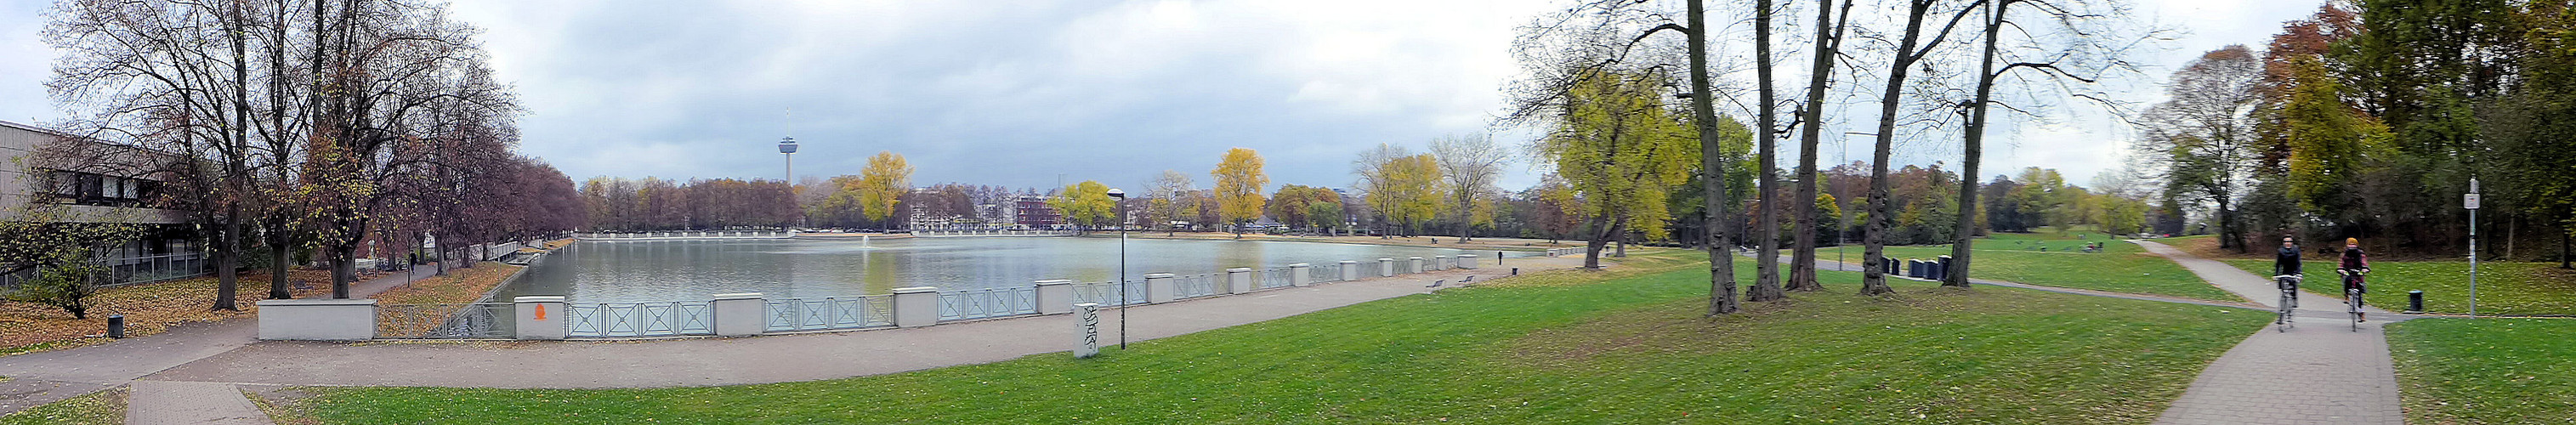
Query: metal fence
{"x": 808, "y": 314}
{"x": 1324, "y": 273}
{"x": 446, "y": 321}
{"x": 1276, "y": 277}
{"x": 671, "y": 318}
{"x": 987, "y": 302}
{"x": 1194, "y": 286}
{"x": 1106, "y": 293}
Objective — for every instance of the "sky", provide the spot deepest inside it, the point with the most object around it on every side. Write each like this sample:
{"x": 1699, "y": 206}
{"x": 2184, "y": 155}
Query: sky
{"x": 1028, "y": 94}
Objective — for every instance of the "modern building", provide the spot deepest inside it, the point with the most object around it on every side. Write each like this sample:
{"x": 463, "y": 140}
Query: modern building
{"x": 77, "y": 180}
{"x": 1031, "y": 211}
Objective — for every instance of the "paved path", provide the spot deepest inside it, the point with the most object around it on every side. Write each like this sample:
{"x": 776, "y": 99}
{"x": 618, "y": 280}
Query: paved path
{"x": 170, "y": 402}
{"x": 775, "y": 358}
{"x": 2319, "y": 372}
{"x": 51, "y": 376}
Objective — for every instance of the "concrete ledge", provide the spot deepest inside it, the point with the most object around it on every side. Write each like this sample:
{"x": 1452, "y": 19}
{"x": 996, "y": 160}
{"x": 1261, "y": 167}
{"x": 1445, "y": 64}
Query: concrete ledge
{"x": 318, "y": 319}
{"x": 1055, "y": 296}
{"x": 740, "y": 314}
{"x": 916, "y": 306}
{"x": 542, "y": 317}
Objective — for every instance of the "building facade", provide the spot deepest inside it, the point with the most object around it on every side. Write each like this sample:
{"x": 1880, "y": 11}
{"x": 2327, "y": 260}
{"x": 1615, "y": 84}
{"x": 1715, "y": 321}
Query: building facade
{"x": 80, "y": 181}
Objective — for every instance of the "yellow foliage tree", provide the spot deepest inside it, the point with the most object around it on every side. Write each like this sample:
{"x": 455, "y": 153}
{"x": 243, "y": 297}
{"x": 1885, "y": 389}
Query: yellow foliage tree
{"x": 1085, "y": 204}
{"x": 1407, "y": 190}
{"x": 881, "y": 184}
{"x": 1238, "y": 188}
{"x": 1618, "y": 146}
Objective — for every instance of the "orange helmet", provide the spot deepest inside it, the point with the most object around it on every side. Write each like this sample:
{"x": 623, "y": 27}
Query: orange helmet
{"x": 2351, "y": 241}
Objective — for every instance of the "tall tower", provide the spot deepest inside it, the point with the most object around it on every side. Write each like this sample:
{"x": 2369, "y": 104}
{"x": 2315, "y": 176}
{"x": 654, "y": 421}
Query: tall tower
{"x": 787, "y": 148}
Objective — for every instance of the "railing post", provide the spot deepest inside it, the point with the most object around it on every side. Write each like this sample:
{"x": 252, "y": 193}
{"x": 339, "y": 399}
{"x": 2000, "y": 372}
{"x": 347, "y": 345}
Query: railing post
{"x": 742, "y": 314}
{"x": 1055, "y": 296}
{"x": 916, "y": 306}
{"x": 1238, "y": 280}
{"x": 1300, "y": 274}
{"x": 1350, "y": 270}
{"x": 1158, "y": 288}
{"x": 1413, "y": 265}
{"x": 542, "y": 317}
{"x": 1467, "y": 261}
{"x": 1386, "y": 267}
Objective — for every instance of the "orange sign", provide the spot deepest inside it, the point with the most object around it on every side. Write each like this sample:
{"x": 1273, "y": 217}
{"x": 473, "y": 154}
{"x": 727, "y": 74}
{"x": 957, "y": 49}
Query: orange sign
{"x": 541, "y": 312}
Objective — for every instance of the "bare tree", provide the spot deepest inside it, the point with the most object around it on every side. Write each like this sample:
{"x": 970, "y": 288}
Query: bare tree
{"x": 1829, "y": 29}
{"x": 1471, "y": 163}
{"x": 2070, "y": 43}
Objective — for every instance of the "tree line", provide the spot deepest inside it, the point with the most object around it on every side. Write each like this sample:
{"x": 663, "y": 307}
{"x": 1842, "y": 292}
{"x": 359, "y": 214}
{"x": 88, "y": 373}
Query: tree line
{"x": 2369, "y": 119}
{"x": 301, "y": 128}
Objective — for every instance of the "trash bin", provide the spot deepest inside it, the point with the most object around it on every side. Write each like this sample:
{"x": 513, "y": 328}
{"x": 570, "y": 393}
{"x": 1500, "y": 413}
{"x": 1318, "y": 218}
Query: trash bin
{"x": 1941, "y": 268}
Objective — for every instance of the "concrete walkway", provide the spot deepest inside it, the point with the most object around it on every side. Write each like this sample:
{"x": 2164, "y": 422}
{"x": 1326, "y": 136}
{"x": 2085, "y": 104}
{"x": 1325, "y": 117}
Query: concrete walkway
{"x": 776, "y": 358}
{"x": 170, "y": 402}
{"x": 2318, "y": 372}
{"x": 51, "y": 376}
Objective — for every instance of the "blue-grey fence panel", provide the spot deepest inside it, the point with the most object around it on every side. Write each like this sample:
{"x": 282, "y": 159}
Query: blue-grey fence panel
{"x": 988, "y": 302}
{"x": 808, "y": 314}
{"x": 647, "y": 319}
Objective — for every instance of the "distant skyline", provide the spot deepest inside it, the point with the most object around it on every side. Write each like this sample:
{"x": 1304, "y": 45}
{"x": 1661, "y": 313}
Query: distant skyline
{"x": 1017, "y": 95}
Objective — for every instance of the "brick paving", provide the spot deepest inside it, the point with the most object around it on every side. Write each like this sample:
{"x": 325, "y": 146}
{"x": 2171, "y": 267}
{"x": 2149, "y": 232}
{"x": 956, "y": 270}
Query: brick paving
{"x": 173, "y": 402}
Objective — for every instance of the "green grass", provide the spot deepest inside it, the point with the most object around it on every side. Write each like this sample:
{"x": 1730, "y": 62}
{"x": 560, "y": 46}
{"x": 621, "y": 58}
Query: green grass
{"x": 98, "y": 408}
{"x": 2486, "y": 371}
{"x": 2121, "y": 267}
{"x": 1555, "y": 347}
{"x": 2503, "y": 288}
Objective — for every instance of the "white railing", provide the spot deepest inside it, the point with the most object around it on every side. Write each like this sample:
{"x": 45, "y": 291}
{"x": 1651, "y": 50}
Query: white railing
{"x": 1197, "y": 285}
{"x": 711, "y": 234}
{"x": 1553, "y": 252}
{"x": 1324, "y": 273}
{"x": 988, "y": 232}
{"x": 1106, "y": 293}
{"x": 446, "y": 321}
{"x": 616, "y": 320}
{"x": 809, "y": 314}
{"x": 1276, "y": 278}
{"x": 987, "y": 302}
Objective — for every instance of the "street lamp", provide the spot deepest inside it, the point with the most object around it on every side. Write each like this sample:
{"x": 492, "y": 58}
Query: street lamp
{"x": 1118, "y": 196}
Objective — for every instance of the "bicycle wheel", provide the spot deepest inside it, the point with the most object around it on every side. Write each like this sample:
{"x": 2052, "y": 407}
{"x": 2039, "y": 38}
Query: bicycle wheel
{"x": 2353, "y": 299}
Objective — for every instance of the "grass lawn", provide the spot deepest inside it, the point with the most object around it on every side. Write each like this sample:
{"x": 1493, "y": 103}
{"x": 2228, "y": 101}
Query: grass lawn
{"x": 2503, "y": 288}
{"x": 98, "y": 408}
{"x": 1626, "y": 345}
{"x": 2121, "y": 267}
{"x": 2486, "y": 371}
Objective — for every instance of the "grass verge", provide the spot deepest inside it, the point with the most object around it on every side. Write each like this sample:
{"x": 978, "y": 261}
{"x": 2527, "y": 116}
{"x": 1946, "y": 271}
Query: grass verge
{"x": 2503, "y": 288}
{"x": 2121, "y": 267}
{"x": 2486, "y": 371}
{"x": 98, "y": 408}
{"x": 457, "y": 287}
{"x": 1628, "y": 345}
{"x": 148, "y": 308}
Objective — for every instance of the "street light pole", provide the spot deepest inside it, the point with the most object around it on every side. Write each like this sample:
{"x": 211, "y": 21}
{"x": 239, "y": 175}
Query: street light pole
{"x": 1116, "y": 196}
{"x": 2471, "y": 201}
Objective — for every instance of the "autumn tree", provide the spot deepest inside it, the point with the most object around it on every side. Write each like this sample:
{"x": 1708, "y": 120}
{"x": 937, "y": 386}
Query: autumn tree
{"x": 1314, "y": 208}
{"x": 2206, "y": 133}
{"x": 883, "y": 182}
{"x": 1469, "y": 165}
{"x": 1238, "y": 188}
{"x": 1615, "y": 142}
{"x": 1085, "y": 204}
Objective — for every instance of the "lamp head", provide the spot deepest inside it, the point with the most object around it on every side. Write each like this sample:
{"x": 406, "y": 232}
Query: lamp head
{"x": 1115, "y": 193}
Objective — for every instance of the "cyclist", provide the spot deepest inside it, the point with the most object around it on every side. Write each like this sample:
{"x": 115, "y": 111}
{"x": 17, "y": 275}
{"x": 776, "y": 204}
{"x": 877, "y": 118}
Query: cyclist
{"x": 2354, "y": 264}
{"x": 2286, "y": 263}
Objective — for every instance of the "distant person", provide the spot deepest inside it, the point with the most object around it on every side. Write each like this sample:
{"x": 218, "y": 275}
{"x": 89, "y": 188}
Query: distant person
{"x": 2354, "y": 264}
{"x": 2286, "y": 263}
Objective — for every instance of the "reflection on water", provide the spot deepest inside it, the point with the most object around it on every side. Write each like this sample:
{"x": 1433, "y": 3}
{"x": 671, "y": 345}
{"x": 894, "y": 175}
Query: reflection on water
{"x": 611, "y": 271}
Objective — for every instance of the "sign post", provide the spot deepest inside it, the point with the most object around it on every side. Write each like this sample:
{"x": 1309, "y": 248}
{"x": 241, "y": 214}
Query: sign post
{"x": 1086, "y": 324}
{"x": 2471, "y": 201}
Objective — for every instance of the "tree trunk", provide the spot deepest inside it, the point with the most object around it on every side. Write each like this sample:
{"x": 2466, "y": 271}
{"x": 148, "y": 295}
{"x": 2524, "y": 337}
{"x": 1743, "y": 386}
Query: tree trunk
{"x": 1721, "y": 264}
{"x": 1973, "y": 152}
{"x": 1594, "y": 241}
{"x": 2565, "y": 261}
{"x": 1802, "y": 264}
{"x": 227, "y": 265}
{"x": 1880, "y": 207}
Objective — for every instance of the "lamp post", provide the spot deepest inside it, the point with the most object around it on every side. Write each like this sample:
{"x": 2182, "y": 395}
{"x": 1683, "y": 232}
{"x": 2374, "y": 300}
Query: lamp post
{"x": 1116, "y": 196}
{"x": 2471, "y": 201}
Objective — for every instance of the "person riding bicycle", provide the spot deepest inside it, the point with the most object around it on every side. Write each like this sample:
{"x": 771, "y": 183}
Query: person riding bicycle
{"x": 2354, "y": 264}
{"x": 2286, "y": 263}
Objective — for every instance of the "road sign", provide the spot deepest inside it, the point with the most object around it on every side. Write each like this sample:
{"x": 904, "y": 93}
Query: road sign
{"x": 2471, "y": 200}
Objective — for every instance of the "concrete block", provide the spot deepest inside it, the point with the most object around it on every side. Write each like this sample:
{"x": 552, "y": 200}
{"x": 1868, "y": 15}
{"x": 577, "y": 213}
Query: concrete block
{"x": 1350, "y": 270}
{"x": 1238, "y": 280}
{"x": 741, "y": 314}
{"x": 916, "y": 306}
{"x": 542, "y": 317}
{"x": 318, "y": 319}
{"x": 1386, "y": 267}
{"x": 1158, "y": 288}
{"x": 1299, "y": 274}
{"x": 1467, "y": 261}
{"x": 1055, "y": 296}
{"x": 1413, "y": 265}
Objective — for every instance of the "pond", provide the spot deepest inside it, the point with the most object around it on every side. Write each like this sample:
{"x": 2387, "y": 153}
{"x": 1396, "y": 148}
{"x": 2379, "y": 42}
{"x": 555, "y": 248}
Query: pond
{"x": 626, "y": 271}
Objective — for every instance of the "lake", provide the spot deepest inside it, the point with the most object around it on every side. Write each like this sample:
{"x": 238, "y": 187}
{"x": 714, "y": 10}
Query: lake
{"x": 628, "y": 271}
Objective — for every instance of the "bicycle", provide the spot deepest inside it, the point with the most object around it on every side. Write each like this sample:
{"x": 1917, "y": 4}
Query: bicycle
{"x": 2289, "y": 301}
{"x": 2352, "y": 294}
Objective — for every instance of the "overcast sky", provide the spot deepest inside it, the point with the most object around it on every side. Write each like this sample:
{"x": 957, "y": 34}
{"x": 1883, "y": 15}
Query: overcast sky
{"x": 1022, "y": 93}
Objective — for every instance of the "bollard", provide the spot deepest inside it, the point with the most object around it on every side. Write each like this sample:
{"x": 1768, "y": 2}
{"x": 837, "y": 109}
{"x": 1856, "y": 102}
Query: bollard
{"x": 1516, "y": 271}
{"x": 116, "y": 326}
{"x": 2415, "y": 301}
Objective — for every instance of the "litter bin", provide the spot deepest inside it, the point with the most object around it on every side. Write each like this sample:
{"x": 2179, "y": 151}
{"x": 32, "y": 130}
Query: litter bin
{"x": 1941, "y": 268}
{"x": 2415, "y": 301}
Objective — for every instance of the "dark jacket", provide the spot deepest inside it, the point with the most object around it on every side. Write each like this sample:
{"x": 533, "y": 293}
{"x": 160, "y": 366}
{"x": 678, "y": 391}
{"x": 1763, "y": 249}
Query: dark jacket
{"x": 2286, "y": 262}
{"x": 2354, "y": 260}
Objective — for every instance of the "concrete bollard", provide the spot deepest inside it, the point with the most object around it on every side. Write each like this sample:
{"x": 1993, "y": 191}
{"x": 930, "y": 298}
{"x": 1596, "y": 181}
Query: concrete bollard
{"x": 318, "y": 319}
{"x": 1467, "y": 261}
{"x": 1413, "y": 265}
{"x": 916, "y": 306}
{"x": 742, "y": 314}
{"x": 1158, "y": 288}
{"x": 1055, "y": 296}
{"x": 1299, "y": 274}
{"x": 1386, "y": 267}
{"x": 542, "y": 317}
{"x": 1350, "y": 270}
{"x": 1238, "y": 280}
